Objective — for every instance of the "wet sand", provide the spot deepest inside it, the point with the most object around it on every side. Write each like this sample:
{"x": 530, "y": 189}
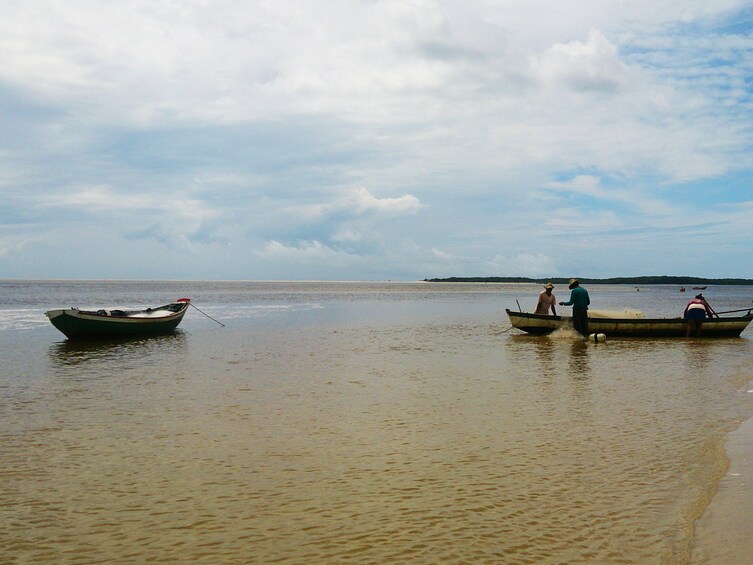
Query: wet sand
{"x": 724, "y": 534}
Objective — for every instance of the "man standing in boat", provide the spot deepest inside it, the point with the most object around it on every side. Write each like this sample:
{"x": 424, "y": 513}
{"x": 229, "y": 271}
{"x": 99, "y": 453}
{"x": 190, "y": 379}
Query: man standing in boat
{"x": 579, "y": 300}
{"x": 546, "y": 300}
{"x": 696, "y": 311}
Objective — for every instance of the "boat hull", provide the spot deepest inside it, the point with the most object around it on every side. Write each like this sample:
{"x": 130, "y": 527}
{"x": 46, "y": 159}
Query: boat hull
{"x": 81, "y": 324}
{"x": 537, "y": 324}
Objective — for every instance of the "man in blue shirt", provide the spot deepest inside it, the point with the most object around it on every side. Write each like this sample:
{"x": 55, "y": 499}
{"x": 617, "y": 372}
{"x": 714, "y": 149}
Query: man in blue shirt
{"x": 579, "y": 300}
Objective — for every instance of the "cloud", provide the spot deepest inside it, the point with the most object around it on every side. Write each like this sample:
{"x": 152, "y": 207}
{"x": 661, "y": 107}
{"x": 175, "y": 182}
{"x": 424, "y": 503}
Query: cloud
{"x": 439, "y": 254}
{"x": 307, "y": 248}
{"x": 353, "y": 221}
{"x": 164, "y": 218}
{"x": 310, "y": 253}
{"x": 361, "y": 201}
{"x": 352, "y": 211}
{"x": 588, "y": 185}
{"x": 620, "y": 198}
{"x": 347, "y": 235}
{"x": 375, "y": 136}
{"x": 593, "y": 65}
{"x": 98, "y": 199}
{"x": 525, "y": 265}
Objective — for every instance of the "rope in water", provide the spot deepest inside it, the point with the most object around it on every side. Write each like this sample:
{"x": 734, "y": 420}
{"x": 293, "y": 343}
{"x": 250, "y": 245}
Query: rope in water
{"x": 208, "y": 316}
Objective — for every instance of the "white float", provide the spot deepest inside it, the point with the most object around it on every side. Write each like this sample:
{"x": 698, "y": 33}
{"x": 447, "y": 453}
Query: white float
{"x": 597, "y": 338}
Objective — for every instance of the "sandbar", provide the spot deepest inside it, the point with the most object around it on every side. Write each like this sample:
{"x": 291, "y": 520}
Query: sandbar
{"x": 724, "y": 534}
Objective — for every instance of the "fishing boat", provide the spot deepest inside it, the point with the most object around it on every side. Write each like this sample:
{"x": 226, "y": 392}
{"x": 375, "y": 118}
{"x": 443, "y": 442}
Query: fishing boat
{"x": 699, "y": 288}
{"x": 108, "y": 323}
{"x": 538, "y": 324}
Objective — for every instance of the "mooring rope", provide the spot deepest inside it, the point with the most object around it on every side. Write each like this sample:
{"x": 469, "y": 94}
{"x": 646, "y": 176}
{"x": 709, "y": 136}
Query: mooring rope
{"x": 208, "y": 316}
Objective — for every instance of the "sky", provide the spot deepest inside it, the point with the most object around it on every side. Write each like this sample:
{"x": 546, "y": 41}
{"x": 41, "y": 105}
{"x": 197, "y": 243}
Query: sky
{"x": 375, "y": 139}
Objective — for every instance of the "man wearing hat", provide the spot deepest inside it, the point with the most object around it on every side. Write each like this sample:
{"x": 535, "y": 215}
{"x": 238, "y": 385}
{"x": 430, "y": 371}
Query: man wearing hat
{"x": 546, "y": 300}
{"x": 579, "y": 300}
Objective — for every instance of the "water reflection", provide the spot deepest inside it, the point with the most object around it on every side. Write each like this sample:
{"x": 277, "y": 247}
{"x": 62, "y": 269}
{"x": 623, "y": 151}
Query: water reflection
{"x": 579, "y": 361}
{"x": 526, "y": 351}
{"x": 548, "y": 353}
{"x": 579, "y": 364}
{"x": 545, "y": 354}
{"x": 93, "y": 354}
{"x": 698, "y": 353}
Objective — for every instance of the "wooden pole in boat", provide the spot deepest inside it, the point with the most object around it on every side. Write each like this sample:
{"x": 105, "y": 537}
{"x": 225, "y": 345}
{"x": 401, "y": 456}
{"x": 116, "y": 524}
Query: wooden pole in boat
{"x": 731, "y": 311}
{"x": 518, "y": 303}
{"x": 208, "y": 316}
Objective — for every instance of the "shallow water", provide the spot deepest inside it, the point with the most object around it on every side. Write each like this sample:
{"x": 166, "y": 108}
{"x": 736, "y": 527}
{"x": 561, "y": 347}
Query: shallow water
{"x": 358, "y": 422}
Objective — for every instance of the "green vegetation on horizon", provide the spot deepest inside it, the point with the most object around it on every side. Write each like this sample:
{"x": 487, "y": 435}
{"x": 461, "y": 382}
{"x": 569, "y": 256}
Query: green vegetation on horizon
{"x": 663, "y": 279}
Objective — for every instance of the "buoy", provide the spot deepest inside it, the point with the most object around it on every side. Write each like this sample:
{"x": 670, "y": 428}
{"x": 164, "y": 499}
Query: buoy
{"x": 597, "y": 338}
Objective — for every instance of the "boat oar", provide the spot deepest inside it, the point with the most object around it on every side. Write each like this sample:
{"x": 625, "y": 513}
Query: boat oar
{"x": 731, "y": 311}
{"x": 208, "y": 316}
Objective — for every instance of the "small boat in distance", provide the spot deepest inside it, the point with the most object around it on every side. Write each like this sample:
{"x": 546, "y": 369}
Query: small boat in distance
{"x": 699, "y": 288}
{"x": 108, "y": 323}
{"x": 538, "y": 324}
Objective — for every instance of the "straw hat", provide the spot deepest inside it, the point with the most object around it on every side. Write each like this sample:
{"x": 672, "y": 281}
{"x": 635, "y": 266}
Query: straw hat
{"x": 549, "y": 285}
{"x": 573, "y": 282}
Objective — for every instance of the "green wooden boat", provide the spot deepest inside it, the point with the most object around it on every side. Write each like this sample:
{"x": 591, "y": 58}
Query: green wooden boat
{"x": 109, "y": 323}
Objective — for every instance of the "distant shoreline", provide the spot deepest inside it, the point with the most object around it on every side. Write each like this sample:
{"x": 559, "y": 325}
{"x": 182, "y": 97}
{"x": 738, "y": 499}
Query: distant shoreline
{"x": 682, "y": 281}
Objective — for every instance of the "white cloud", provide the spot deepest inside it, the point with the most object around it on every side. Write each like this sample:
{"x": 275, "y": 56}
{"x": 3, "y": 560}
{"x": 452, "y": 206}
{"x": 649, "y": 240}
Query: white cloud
{"x": 439, "y": 254}
{"x": 305, "y": 248}
{"x": 582, "y": 184}
{"x": 15, "y": 240}
{"x": 576, "y": 221}
{"x": 170, "y": 219}
{"x": 100, "y": 199}
{"x": 360, "y": 202}
{"x": 347, "y": 234}
{"x": 524, "y": 264}
{"x": 648, "y": 203}
{"x": 599, "y": 116}
{"x": 96, "y": 199}
{"x": 306, "y": 252}
{"x": 591, "y": 65}
{"x": 448, "y": 86}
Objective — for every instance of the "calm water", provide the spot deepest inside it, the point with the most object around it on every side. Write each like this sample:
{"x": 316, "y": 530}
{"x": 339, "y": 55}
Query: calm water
{"x": 358, "y": 423}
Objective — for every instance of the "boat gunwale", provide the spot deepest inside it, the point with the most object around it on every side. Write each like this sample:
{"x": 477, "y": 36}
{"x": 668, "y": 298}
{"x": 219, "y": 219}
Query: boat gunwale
{"x": 542, "y": 324}
{"x": 87, "y": 324}
{"x": 678, "y": 319}
{"x": 131, "y": 317}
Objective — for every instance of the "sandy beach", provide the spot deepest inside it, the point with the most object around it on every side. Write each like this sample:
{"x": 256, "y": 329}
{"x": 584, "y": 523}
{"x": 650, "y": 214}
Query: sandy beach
{"x": 724, "y": 534}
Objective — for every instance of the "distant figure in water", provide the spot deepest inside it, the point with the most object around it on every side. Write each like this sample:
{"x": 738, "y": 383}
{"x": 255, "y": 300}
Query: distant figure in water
{"x": 696, "y": 311}
{"x": 579, "y": 300}
{"x": 546, "y": 300}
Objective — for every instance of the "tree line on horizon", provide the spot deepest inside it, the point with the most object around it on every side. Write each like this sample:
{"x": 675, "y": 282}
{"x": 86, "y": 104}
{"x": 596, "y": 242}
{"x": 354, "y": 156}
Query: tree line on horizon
{"x": 643, "y": 280}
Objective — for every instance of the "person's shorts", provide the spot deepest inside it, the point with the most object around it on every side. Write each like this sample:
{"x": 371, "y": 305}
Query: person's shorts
{"x": 696, "y": 314}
